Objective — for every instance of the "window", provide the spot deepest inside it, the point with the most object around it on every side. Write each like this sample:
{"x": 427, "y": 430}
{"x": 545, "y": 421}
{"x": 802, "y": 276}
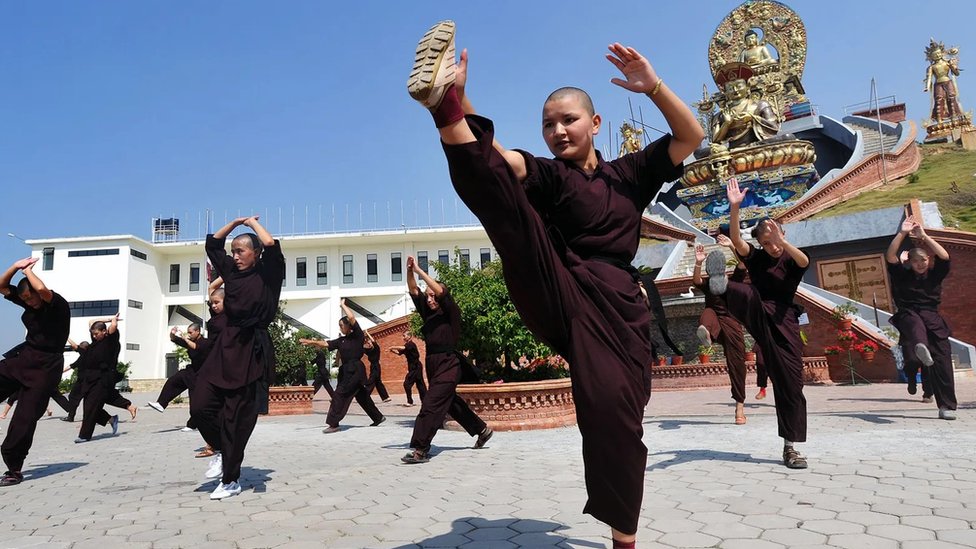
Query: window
{"x": 443, "y": 257}
{"x": 194, "y": 277}
{"x": 371, "y": 274}
{"x": 347, "y": 269}
{"x": 174, "y": 277}
{"x": 131, "y": 346}
{"x": 137, "y": 253}
{"x": 135, "y": 304}
{"x": 105, "y": 307}
{"x": 396, "y": 267}
{"x": 48, "y": 262}
{"x": 89, "y": 253}
{"x": 422, "y": 261}
{"x": 485, "y": 257}
{"x": 321, "y": 270}
{"x": 466, "y": 259}
{"x": 301, "y": 272}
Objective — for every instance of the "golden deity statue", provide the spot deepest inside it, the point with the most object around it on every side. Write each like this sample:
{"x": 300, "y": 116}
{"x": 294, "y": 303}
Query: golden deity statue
{"x": 742, "y": 120}
{"x": 945, "y": 105}
{"x": 631, "y": 139}
{"x": 755, "y": 53}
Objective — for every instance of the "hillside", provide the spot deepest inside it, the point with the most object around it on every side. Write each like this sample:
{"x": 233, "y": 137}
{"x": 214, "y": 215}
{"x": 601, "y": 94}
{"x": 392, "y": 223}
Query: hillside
{"x": 942, "y": 165}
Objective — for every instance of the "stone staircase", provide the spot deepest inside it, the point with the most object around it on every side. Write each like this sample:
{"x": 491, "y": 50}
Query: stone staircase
{"x": 686, "y": 266}
{"x": 875, "y": 142}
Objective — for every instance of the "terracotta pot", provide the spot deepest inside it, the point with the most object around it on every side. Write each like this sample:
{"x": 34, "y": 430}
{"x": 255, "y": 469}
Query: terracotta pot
{"x": 868, "y": 356}
{"x": 662, "y": 361}
{"x": 845, "y": 324}
{"x": 750, "y": 356}
{"x": 704, "y": 359}
{"x": 677, "y": 359}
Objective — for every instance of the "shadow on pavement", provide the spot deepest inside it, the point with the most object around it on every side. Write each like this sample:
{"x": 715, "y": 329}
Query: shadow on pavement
{"x": 882, "y": 419}
{"x": 41, "y": 471}
{"x": 688, "y": 456}
{"x": 672, "y": 424}
{"x": 520, "y": 532}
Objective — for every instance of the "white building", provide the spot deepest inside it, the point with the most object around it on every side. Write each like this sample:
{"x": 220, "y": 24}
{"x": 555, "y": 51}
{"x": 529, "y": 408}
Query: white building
{"x": 158, "y": 285}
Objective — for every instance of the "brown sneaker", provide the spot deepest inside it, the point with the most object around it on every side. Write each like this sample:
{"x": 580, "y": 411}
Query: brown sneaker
{"x": 792, "y": 459}
{"x": 433, "y": 66}
{"x": 416, "y": 456}
{"x": 483, "y": 438}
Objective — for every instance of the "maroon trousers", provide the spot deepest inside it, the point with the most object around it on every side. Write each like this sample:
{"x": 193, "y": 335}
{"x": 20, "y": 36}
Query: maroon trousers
{"x": 930, "y": 329}
{"x": 762, "y": 378}
{"x": 182, "y": 380}
{"x": 411, "y": 380}
{"x": 441, "y": 400}
{"x": 775, "y": 329}
{"x": 590, "y": 312}
{"x": 341, "y": 401}
{"x": 727, "y": 331}
{"x": 226, "y": 419}
{"x": 42, "y": 371}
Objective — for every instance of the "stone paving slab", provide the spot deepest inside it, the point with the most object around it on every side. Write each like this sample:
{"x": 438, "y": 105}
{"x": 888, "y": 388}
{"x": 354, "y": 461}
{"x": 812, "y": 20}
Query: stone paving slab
{"x": 884, "y": 472}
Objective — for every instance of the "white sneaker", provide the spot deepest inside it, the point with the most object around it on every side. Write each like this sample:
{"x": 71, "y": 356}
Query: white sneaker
{"x": 156, "y": 406}
{"x": 187, "y": 430}
{"x": 226, "y": 490}
{"x": 216, "y": 467}
{"x": 947, "y": 414}
{"x": 433, "y": 66}
{"x": 923, "y": 354}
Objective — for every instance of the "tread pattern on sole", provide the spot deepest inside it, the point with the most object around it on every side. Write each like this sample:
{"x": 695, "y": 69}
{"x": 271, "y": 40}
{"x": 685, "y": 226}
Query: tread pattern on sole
{"x": 427, "y": 61}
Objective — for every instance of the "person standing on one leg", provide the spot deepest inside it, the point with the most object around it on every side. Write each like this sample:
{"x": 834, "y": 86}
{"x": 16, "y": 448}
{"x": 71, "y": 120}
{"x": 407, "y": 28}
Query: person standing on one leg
{"x": 716, "y": 324}
{"x": 32, "y": 369}
{"x": 375, "y": 379}
{"x": 224, "y": 400}
{"x": 415, "y": 369}
{"x": 197, "y": 347}
{"x": 762, "y": 379}
{"x": 352, "y": 373}
{"x": 101, "y": 367}
{"x": 766, "y": 308}
{"x": 917, "y": 293}
{"x": 567, "y": 230}
{"x": 442, "y": 328}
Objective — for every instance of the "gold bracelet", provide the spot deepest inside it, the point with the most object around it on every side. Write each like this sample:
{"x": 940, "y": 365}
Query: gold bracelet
{"x": 657, "y": 87}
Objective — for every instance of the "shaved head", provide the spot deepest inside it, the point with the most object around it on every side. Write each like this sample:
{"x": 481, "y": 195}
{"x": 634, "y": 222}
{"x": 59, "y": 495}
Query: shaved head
{"x": 580, "y": 95}
{"x": 248, "y": 239}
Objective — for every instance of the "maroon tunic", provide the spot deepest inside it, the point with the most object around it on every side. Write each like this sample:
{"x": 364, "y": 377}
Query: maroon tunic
{"x": 726, "y": 330}
{"x": 242, "y": 352}
{"x": 352, "y": 372}
{"x": 566, "y": 239}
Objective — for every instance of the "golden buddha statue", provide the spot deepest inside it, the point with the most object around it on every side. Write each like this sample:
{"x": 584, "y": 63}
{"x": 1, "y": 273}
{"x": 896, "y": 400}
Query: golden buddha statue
{"x": 742, "y": 120}
{"x": 631, "y": 139}
{"x": 755, "y": 53}
{"x": 945, "y": 105}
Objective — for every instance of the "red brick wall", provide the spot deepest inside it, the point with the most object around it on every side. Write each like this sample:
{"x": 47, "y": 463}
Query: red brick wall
{"x": 958, "y": 290}
{"x": 394, "y": 367}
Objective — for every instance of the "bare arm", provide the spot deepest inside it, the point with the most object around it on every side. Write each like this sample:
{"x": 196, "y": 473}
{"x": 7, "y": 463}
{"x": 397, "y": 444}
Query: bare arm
{"x": 398, "y": 350}
{"x": 226, "y": 229}
{"x": 891, "y": 254}
{"x": 320, "y": 343}
{"x": 696, "y": 277}
{"x": 36, "y": 283}
{"x": 736, "y": 196}
{"x": 639, "y": 77}
{"x": 919, "y": 233}
{"x": 350, "y": 316}
{"x": 215, "y": 285}
{"x": 263, "y": 235}
{"x": 8, "y": 275}
{"x": 431, "y": 283}
{"x": 515, "y": 160}
{"x": 113, "y": 324}
{"x": 411, "y": 279}
{"x": 74, "y": 346}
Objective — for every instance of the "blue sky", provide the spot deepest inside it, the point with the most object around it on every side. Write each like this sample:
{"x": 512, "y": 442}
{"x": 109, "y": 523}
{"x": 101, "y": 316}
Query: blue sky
{"x": 114, "y": 112}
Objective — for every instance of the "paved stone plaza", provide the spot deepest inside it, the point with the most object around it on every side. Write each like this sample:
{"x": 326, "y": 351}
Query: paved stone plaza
{"x": 884, "y": 474}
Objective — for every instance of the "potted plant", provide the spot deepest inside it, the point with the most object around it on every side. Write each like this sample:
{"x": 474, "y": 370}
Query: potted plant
{"x": 662, "y": 360}
{"x": 833, "y": 355}
{"x": 867, "y": 348}
{"x": 846, "y": 339}
{"x": 751, "y": 354}
{"x": 843, "y": 315}
{"x": 705, "y": 353}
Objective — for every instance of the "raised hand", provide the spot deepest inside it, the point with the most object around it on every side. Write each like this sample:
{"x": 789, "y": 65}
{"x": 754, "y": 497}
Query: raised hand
{"x": 461, "y": 74}
{"x": 249, "y": 220}
{"x": 917, "y": 231}
{"x": 24, "y": 263}
{"x": 734, "y": 193}
{"x": 724, "y": 241}
{"x": 908, "y": 224}
{"x": 638, "y": 73}
{"x": 699, "y": 253}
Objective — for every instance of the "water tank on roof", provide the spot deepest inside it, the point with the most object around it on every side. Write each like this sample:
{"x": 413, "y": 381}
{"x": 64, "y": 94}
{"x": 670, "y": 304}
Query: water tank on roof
{"x": 166, "y": 229}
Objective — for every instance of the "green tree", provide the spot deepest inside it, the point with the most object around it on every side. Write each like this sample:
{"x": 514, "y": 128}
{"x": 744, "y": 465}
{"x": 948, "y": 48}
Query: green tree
{"x": 291, "y": 358}
{"x": 492, "y": 332}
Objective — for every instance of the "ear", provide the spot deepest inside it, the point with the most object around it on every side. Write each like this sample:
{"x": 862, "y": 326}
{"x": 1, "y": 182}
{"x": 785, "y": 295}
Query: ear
{"x": 596, "y": 123}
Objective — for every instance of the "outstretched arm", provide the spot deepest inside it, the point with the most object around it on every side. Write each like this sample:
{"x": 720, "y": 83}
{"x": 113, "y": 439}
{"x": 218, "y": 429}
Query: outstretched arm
{"x": 891, "y": 254}
{"x": 736, "y": 196}
{"x": 639, "y": 77}
{"x": 320, "y": 343}
{"x": 515, "y": 160}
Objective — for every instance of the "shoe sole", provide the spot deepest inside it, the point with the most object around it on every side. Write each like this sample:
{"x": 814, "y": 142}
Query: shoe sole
{"x": 703, "y": 336}
{"x": 923, "y": 354}
{"x": 479, "y": 444}
{"x": 428, "y": 58}
{"x": 715, "y": 269}
{"x": 158, "y": 408}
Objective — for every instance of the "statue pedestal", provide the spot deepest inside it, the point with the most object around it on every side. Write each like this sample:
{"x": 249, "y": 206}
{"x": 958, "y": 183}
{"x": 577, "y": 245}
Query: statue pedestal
{"x": 968, "y": 139}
